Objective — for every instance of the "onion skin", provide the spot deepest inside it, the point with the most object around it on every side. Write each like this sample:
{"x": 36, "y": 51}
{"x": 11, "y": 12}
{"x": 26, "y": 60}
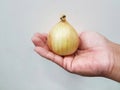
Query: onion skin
{"x": 63, "y": 39}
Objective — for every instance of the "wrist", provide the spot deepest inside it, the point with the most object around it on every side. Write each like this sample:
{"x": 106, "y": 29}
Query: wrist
{"x": 114, "y": 73}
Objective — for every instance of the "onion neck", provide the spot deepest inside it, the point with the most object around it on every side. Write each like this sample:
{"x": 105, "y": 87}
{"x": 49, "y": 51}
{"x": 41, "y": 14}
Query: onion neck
{"x": 63, "y": 18}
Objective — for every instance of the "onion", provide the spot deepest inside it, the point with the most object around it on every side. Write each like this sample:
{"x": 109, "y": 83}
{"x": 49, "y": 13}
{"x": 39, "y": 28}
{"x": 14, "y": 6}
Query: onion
{"x": 63, "y": 39}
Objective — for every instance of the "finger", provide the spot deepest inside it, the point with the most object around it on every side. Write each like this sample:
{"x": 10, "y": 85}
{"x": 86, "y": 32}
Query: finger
{"x": 40, "y": 40}
{"x": 80, "y": 41}
{"x": 49, "y": 55}
{"x": 43, "y": 36}
{"x": 67, "y": 64}
{"x": 82, "y": 38}
{"x": 37, "y": 41}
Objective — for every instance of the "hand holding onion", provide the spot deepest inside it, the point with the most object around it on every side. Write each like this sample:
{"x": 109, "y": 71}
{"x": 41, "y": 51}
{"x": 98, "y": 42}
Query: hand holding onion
{"x": 92, "y": 58}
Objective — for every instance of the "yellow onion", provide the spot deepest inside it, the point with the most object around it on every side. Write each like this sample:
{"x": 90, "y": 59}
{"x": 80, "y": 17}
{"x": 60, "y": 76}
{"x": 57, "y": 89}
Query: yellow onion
{"x": 63, "y": 38}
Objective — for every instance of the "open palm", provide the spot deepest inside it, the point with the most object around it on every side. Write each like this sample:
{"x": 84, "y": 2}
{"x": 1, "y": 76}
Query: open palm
{"x": 91, "y": 59}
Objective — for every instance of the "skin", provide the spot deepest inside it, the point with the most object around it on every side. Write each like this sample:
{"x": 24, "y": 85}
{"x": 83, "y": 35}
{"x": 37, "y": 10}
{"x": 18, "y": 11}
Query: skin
{"x": 96, "y": 56}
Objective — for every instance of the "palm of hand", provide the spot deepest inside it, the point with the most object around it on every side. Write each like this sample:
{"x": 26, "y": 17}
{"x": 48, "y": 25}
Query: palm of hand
{"x": 91, "y": 59}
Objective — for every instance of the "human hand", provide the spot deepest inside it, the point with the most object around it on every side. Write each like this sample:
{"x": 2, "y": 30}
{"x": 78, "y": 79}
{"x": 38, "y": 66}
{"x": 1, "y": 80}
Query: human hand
{"x": 94, "y": 56}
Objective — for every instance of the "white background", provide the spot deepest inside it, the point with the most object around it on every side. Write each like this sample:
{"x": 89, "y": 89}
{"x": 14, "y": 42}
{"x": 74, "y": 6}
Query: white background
{"x": 22, "y": 69}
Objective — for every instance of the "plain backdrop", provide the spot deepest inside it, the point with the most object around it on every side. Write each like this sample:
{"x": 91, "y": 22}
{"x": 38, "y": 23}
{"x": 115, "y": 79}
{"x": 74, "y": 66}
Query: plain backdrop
{"x": 22, "y": 69}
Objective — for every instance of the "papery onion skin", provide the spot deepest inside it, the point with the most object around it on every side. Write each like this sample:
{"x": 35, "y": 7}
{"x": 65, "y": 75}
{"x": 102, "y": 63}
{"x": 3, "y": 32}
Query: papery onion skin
{"x": 63, "y": 39}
